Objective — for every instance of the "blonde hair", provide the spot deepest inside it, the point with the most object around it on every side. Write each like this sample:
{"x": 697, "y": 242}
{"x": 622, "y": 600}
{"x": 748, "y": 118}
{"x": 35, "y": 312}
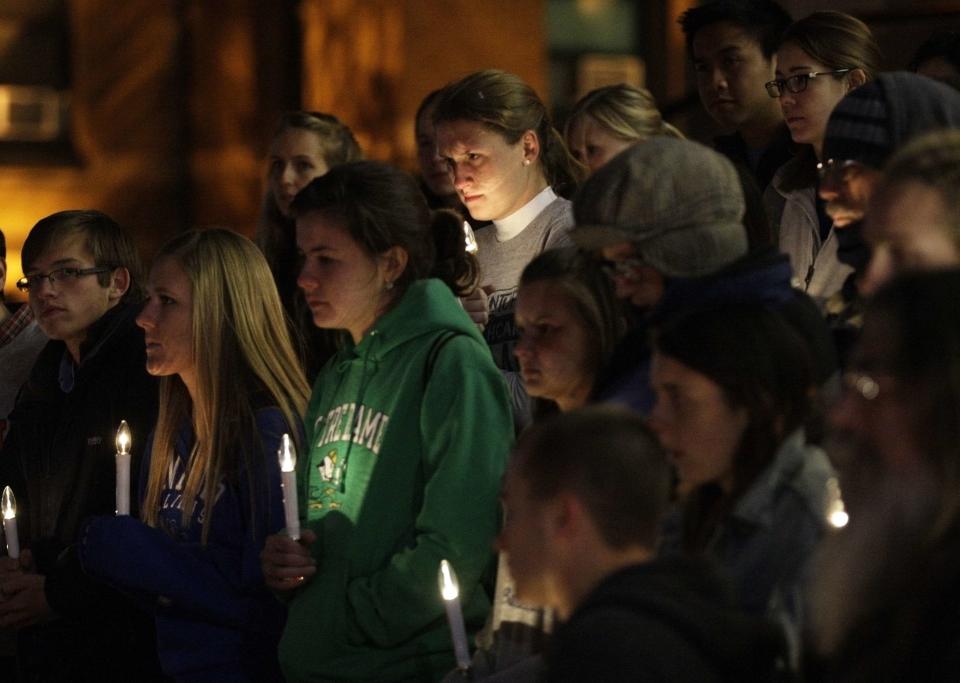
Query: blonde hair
{"x": 624, "y": 111}
{"x": 244, "y": 359}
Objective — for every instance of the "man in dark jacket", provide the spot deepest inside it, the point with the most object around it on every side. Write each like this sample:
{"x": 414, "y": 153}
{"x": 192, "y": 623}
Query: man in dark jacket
{"x": 733, "y": 46}
{"x": 580, "y": 536}
{"x": 81, "y": 277}
{"x": 666, "y": 216}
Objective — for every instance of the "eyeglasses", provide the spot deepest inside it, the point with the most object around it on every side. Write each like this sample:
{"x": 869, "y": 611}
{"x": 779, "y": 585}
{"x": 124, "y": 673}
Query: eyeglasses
{"x": 65, "y": 275}
{"x": 838, "y": 170}
{"x": 797, "y": 83}
{"x": 622, "y": 268}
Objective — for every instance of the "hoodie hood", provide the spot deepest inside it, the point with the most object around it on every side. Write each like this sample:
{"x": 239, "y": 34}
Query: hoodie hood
{"x": 680, "y": 608}
{"x": 425, "y": 308}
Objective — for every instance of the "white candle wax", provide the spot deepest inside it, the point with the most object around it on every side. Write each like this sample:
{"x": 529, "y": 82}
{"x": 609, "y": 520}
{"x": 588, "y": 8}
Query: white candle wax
{"x": 450, "y": 590}
{"x": 9, "y": 505}
{"x": 288, "y": 477}
{"x": 123, "y": 469}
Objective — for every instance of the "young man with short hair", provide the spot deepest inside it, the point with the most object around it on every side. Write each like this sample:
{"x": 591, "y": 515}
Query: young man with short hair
{"x": 584, "y": 497}
{"x": 82, "y": 280}
{"x": 733, "y": 46}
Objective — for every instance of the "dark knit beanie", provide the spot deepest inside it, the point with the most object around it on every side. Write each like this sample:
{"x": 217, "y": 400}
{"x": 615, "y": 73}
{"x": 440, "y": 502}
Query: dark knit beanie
{"x": 859, "y": 127}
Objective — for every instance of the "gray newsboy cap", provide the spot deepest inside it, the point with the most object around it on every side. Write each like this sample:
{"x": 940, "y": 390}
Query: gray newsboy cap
{"x": 679, "y": 202}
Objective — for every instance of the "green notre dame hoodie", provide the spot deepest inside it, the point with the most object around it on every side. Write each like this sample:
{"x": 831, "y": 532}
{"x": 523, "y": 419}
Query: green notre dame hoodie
{"x": 409, "y": 433}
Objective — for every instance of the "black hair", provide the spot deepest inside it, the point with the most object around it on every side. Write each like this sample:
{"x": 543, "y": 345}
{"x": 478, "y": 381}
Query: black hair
{"x": 610, "y": 459}
{"x": 382, "y": 207}
{"x": 943, "y": 44}
{"x": 764, "y": 20}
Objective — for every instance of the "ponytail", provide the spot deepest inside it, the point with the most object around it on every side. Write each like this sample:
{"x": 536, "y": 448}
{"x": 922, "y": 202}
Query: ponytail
{"x": 453, "y": 264}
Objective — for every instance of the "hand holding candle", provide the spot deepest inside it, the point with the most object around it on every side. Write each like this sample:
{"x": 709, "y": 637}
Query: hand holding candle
{"x": 9, "y": 507}
{"x": 123, "y": 469}
{"x": 450, "y": 590}
{"x": 288, "y": 474}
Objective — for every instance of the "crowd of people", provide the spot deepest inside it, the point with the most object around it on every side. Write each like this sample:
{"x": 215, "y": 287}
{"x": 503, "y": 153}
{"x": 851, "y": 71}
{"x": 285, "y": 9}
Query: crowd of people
{"x": 671, "y": 412}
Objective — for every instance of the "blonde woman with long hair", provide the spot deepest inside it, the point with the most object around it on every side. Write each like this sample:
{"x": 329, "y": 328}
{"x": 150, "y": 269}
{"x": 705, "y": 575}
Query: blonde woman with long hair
{"x": 231, "y": 386}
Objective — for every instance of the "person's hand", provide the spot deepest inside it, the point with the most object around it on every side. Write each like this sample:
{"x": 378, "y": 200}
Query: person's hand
{"x": 287, "y": 564}
{"x": 9, "y": 565}
{"x": 477, "y": 306}
{"x": 23, "y": 601}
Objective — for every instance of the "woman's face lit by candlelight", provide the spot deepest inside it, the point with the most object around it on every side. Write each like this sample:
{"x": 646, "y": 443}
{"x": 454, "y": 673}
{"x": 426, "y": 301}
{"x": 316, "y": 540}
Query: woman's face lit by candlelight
{"x": 493, "y": 177}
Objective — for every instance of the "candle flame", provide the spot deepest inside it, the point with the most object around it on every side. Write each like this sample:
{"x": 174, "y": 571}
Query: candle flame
{"x": 288, "y": 454}
{"x": 123, "y": 438}
{"x": 837, "y": 516}
{"x": 839, "y": 519}
{"x": 470, "y": 239}
{"x": 9, "y": 503}
{"x": 449, "y": 587}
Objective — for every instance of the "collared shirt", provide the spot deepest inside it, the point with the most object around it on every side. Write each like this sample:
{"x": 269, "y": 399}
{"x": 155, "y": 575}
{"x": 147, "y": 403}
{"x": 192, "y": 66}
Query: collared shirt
{"x": 15, "y": 324}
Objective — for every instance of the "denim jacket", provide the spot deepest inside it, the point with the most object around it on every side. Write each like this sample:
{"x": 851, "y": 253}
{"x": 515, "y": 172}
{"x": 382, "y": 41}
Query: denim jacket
{"x": 764, "y": 545}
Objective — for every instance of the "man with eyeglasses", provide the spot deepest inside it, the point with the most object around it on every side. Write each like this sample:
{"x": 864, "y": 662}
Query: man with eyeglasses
{"x": 733, "y": 46}
{"x": 666, "y": 218}
{"x": 865, "y": 128}
{"x": 81, "y": 277}
{"x": 20, "y": 342}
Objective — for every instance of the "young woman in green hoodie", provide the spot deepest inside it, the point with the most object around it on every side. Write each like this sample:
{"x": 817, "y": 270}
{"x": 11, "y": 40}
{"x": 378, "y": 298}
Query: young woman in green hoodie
{"x": 408, "y": 432}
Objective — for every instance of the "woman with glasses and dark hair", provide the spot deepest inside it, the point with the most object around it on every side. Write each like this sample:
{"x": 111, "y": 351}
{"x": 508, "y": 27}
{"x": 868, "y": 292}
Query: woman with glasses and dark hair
{"x": 822, "y": 58}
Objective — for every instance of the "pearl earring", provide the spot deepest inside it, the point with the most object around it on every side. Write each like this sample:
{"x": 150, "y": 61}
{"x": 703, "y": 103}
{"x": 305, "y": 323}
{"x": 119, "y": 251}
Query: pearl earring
{"x": 388, "y": 286}
{"x": 526, "y": 162}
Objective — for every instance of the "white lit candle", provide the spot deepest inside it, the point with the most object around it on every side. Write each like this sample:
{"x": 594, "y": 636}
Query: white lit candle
{"x": 450, "y": 590}
{"x": 837, "y": 515}
{"x": 123, "y": 469}
{"x": 288, "y": 474}
{"x": 9, "y": 506}
{"x": 470, "y": 239}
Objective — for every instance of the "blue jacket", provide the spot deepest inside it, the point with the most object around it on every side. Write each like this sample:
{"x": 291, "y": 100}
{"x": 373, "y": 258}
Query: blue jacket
{"x": 215, "y": 618}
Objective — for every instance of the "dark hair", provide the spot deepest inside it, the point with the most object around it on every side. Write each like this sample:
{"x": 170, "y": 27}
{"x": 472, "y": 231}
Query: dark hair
{"x": 506, "y": 105}
{"x": 921, "y": 313}
{"x": 764, "y": 20}
{"x": 763, "y": 366}
{"x": 426, "y": 103}
{"x": 3, "y": 245}
{"x": 609, "y": 459}
{"x": 336, "y": 139}
{"x": 943, "y": 44}
{"x": 382, "y": 207}
{"x": 108, "y": 244}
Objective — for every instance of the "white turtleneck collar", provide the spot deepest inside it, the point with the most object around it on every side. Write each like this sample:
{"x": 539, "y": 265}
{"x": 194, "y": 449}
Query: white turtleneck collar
{"x": 511, "y": 226}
